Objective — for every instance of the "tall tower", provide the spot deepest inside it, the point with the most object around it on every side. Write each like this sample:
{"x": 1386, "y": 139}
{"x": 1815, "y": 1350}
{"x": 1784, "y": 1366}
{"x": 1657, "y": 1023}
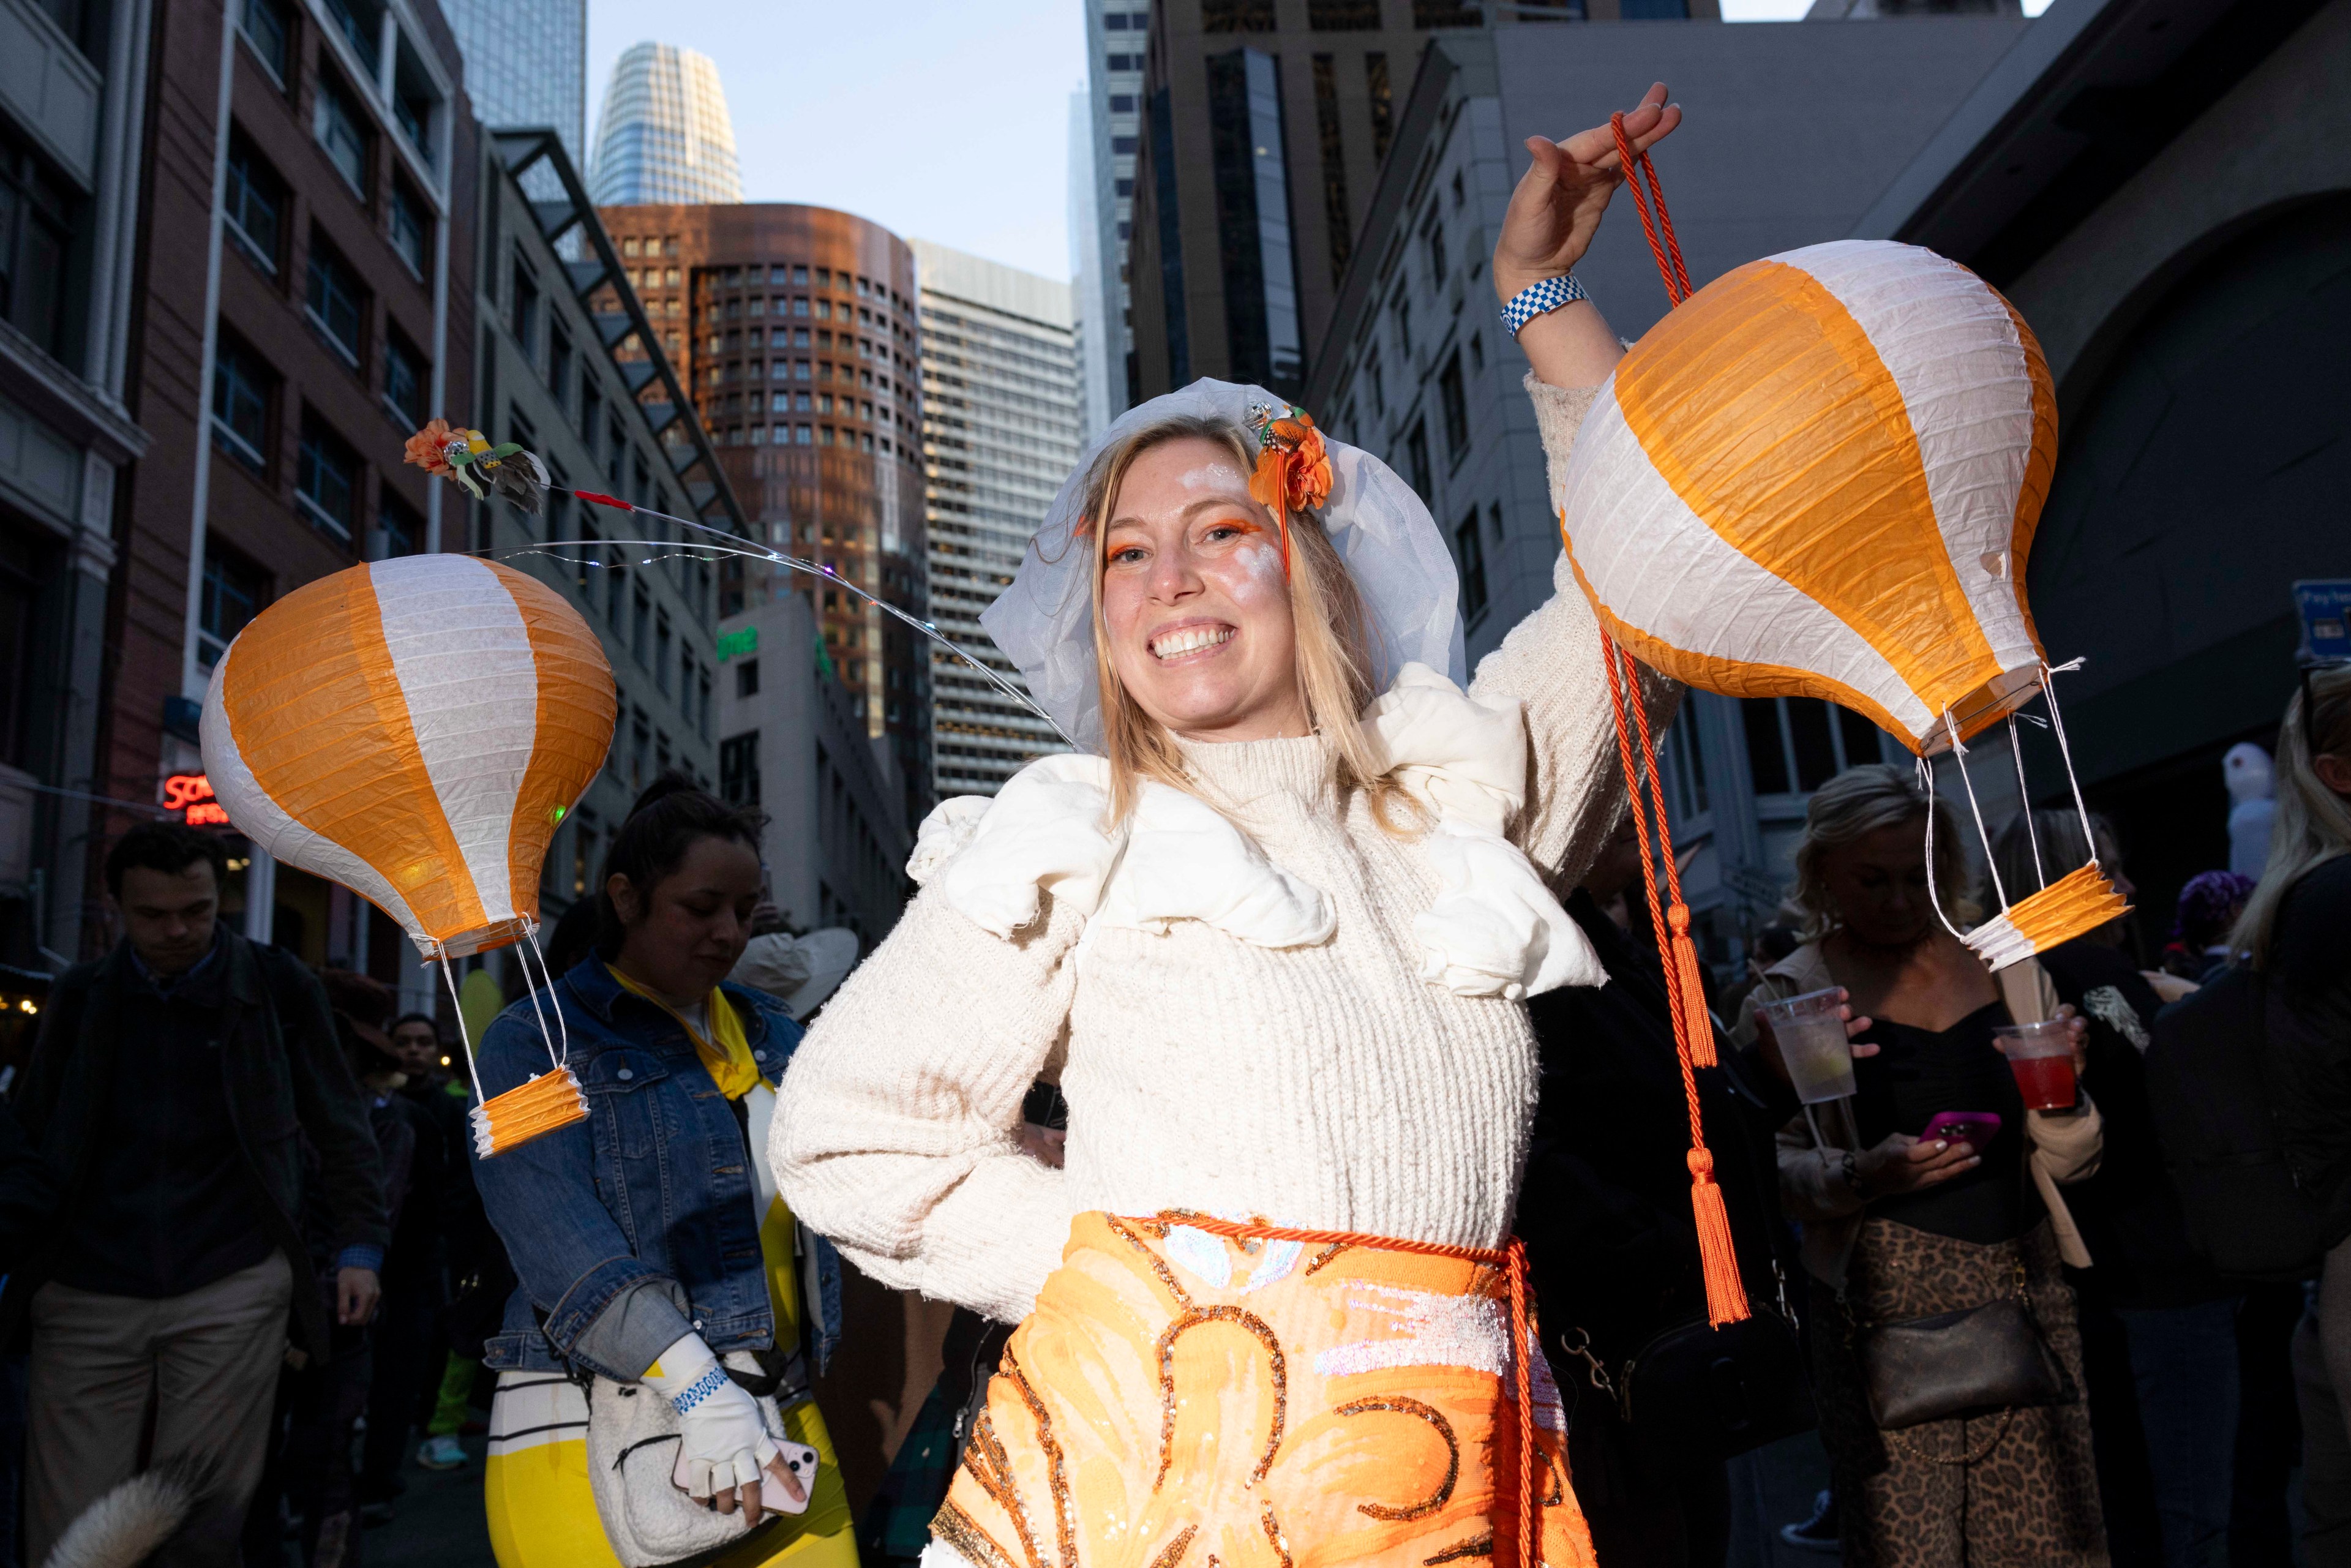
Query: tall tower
{"x": 1001, "y": 419}
{"x": 527, "y": 65}
{"x": 1117, "y": 35}
{"x": 664, "y": 137}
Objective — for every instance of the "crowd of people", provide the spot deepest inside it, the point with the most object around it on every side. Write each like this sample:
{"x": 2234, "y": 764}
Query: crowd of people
{"x": 1289, "y": 1067}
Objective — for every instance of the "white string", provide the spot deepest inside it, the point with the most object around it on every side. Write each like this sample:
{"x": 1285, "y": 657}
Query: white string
{"x": 1959, "y": 756}
{"x": 2024, "y": 799}
{"x": 1927, "y": 775}
{"x": 531, "y": 934}
{"x": 2057, "y": 722}
{"x": 480, "y": 1099}
{"x": 531, "y": 986}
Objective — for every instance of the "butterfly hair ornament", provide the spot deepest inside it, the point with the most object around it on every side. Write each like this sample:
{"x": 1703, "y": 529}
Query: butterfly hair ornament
{"x": 1293, "y": 469}
{"x": 466, "y": 457}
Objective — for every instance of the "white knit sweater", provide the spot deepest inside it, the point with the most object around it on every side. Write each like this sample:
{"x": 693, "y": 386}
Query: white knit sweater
{"x": 1323, "y": 1084}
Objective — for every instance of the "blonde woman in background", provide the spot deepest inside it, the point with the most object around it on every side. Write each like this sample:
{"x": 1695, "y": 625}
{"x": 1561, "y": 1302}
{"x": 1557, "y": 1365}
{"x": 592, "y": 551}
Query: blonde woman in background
{"x": 1901, "y": 1227}
{"x": 2296, "y": 929}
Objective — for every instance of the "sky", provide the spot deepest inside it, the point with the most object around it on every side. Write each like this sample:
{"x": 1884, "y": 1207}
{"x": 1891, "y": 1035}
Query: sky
{"x": 940, "y": 120}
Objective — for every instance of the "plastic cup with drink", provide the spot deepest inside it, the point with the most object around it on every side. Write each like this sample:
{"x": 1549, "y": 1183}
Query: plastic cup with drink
{"x": 2042, "y": 1057}
{"x": 1810, "y": 1029}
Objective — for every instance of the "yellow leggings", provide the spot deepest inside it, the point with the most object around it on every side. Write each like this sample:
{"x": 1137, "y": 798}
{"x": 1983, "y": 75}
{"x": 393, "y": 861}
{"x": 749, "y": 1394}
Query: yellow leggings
{"x": 543, "y": 1515}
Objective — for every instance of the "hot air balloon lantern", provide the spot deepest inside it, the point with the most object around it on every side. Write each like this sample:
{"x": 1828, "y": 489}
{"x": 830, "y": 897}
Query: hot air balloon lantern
{"x": 1819, "y": 476}
{"x": 416, "y": 729}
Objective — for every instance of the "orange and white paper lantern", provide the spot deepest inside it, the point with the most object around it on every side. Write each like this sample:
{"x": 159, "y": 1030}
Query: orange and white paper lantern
{"x": 1819, "y": 476}
{"x": 415, "y": 729}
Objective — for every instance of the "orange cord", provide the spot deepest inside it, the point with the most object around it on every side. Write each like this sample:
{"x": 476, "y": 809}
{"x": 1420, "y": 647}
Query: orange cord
{"x": 1510, "y": 1259}
{"x": 1726, "y": 1295}
{"x": 1637, "y": 167}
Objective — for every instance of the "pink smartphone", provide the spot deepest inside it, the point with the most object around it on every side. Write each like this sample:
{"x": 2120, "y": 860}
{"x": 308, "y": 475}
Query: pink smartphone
{"x": 1973, "y": 1128}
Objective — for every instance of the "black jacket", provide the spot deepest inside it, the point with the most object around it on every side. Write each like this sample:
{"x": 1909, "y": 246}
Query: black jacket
{"x": 285, "y": 1076}
{"x": 1612, "y": 1242}
{"x": 2308, "y": 1021}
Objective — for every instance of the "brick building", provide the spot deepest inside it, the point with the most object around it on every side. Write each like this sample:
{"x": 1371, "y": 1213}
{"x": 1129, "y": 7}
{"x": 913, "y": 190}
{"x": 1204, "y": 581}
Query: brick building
{"x": 302, "y": 300}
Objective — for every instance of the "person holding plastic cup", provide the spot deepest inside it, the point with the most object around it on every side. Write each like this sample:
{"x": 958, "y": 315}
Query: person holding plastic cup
{"x": 1948, "y": 1200}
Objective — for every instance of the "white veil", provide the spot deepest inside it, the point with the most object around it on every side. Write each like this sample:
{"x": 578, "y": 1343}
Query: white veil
{"x": 1383, "y": 532}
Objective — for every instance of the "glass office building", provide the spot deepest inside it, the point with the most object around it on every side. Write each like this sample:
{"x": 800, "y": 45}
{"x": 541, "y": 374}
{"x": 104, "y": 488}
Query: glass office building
{"x": 665, "y": 137}
{"x": 527, "y": 65}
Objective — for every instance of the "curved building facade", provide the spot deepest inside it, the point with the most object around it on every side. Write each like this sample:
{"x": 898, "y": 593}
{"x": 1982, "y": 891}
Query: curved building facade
{"x": 664, "y": 135}
{"x": 796, "y": 328}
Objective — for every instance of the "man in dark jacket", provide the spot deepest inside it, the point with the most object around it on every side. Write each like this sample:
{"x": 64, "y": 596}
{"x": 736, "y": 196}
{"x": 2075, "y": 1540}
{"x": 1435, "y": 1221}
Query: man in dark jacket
{"x": 170, "y": 1089}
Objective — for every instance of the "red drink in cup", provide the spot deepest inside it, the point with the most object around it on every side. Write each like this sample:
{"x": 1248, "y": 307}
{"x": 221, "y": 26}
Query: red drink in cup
{"x": 2042, "y": 1057}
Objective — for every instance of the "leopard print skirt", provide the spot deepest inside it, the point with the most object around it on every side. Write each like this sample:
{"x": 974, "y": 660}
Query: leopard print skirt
{"x": 2019, "y": 1488}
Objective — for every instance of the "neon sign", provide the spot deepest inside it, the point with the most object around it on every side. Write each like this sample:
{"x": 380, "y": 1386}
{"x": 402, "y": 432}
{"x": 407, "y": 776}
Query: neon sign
{"x": 192, "y": 793}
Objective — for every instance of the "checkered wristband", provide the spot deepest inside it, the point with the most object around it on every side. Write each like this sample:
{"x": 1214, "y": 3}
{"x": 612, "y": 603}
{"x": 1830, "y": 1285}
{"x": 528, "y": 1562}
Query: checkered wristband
{"x": 702, "y": 1388}
{"x": 1541, "y": 300}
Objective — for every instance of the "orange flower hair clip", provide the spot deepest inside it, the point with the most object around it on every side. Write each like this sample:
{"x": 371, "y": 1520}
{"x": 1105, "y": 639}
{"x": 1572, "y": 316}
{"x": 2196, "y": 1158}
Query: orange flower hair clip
{"x": 1293, "y": 470}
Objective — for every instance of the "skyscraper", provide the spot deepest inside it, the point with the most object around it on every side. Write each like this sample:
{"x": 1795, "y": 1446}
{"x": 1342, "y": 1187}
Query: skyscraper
{"x": 527, "y": 65}
{"x": 794, "y": 329}
{"x": 1000, "y": 392}
{"x": 664, "y": 137}
{"x": 1116, "y": 34}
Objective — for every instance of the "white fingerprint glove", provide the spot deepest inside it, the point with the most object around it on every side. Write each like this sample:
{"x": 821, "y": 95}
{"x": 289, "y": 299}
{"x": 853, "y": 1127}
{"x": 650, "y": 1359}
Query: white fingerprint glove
{"x": 722, "y": 1441}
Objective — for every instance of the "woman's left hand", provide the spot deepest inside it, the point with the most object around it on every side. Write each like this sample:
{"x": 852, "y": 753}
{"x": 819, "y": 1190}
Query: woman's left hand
{"x": 1557, "y": 206}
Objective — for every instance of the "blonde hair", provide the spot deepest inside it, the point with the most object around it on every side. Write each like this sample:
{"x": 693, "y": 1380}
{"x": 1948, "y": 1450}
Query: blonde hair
{"x": 2312, "y": 824}
{"x": 1847, "y": 808}
{"x": 1331, "y": 637}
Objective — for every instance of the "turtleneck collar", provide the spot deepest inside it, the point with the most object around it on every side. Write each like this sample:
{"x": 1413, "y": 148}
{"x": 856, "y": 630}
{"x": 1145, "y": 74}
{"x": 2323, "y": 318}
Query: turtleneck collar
{"x": 1241, "y": 771}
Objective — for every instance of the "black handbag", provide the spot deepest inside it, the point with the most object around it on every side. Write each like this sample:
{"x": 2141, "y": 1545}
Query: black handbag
{"x": 1972, "y": 1362}
{"x": 1694, "y": 1389}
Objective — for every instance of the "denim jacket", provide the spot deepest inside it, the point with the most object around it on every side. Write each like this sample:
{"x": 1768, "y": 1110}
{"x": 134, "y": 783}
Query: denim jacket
{"x": 638, "y": 1224}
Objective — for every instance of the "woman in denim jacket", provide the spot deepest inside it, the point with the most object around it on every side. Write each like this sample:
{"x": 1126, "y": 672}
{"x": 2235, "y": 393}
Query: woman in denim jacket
{"x": 650, "y": 1243}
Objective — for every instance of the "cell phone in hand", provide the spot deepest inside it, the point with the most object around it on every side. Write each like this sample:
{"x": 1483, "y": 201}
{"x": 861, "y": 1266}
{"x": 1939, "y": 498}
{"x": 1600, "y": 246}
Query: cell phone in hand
{"x": 1973, "y": 1128}
{"x": 801, "y": 1460}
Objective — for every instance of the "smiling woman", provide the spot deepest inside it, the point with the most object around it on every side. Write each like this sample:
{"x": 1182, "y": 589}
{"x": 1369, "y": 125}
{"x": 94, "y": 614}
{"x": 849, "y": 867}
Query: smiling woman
{"x": 1271, "y": 935}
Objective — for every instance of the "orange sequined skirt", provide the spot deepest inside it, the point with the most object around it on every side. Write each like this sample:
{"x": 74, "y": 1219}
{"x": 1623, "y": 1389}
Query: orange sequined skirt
{"x": 1192, "y": 1392}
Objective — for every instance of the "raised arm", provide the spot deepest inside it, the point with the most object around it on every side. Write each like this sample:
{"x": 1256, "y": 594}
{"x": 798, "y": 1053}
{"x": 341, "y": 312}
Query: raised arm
{"x": 896, "y": 1129}
{"x": 1550, "y": 661}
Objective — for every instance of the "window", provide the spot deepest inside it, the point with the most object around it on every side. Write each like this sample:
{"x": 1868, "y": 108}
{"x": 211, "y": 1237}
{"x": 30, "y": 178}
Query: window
{"x": 746, "y": 678}
{"x": 1456, "y": 408}
{"x": 414, "y": 110}
{"x": 1264, "y": 341}
{"x": 336, "y": 304}
{"x": 738, "y": 769}
{"x": 1344, "y": 15}
{"x": 1123, "y": 146}
{"x": 591, "y": 412}
{"x": 1376, "y": 81}
{"x": 399, "y": 530}
{"x": 327, "y": 487}
{"x": 358, "y": 30}
{"x": 1477, "y": 352}
{"x": 269, "y": 27}
{"x": 616, "y": 591}
{"x": 241, "y": 387}
{"x": 558, "y": 366}
{"x": 235, "y": 591}
{"x": 255, "y": 200}
{"x": 1338, "y": 228}
{"x": 583, "y": 850}
{"x": 1655, "y": 10}
{"x": 404, "y": 378}
{"x": 1416, "y": 447}
{"x": 1469, "y": 554}
{"x": 641, "y": 627}
{"x": 36, "y": 237}
{"x": 411, "y": 228}
{"x": 1122, "y": 103}
{"x": 701, "y": 704}
{"x": 1435, "y": 237}
{"x": 1114, "y": 22}
{"x": 522, "y": 311}
{"x": 340, "y": 130}
{"x": 1236, "y": 16}
{"x": 662, "y": 642}
{"x": 1798, "y": 743}
{"x": 1445, "y": 14}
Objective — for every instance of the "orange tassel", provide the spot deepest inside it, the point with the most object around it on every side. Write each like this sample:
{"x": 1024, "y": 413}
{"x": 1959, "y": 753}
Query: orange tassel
{"x": 1685, "y": 974}
{"x": 1726, "y": 1295}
